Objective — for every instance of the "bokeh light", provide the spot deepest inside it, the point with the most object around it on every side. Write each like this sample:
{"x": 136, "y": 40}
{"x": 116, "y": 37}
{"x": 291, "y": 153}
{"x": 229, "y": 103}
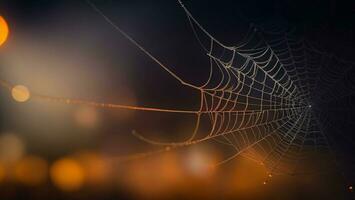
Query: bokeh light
{"x": 96, "y": 168}
{"x": 67, "y": 174}
{"x": 12, "y": 148}
{"x": 200, "y": 162}
{"x": 86, "y": 116}
{"x": 31, "y": 171}
{"x": 4, "y": 30}
{"x": 20, "y": 93}
{"x": 247, "y": 175}
{"x": 154, "y": 176}
{"x": 2, "y": 172}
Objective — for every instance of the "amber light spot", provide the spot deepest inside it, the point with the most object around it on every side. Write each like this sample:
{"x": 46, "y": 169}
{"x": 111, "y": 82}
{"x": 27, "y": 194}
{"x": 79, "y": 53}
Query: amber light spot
{"x": 12, "y": 148}
{"x": 96, "y": 168}
{"x": 67, "y": 174}
{"x": 164, "y": 175}
{"x": 86, "y": 117}
{"x": 4, "y": 31}
{"x": 20, "y": 93}
{"x": 247, "y": 175}
{"x": 2, "y": 173}
{"x": 31, "y": 171}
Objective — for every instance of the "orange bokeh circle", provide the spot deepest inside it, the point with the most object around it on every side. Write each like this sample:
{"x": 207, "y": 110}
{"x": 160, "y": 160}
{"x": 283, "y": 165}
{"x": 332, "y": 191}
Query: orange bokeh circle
{"x": 4, "y": 30}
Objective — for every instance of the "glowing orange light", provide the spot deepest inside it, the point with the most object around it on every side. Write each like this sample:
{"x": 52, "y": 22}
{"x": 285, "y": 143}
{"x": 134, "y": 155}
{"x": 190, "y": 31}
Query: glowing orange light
{"x": 350, "y": 187}
{"x": 247, "y": 175}
{"x": 12, "y": 148}
{"x": 20, "y": 93}
{"x": 4, "y": 31}
{"x": 200, "y": 164}
{"x": 86, "y": 117}
{"x": 31, "y": 171}
{"x": 270, "y": 175}
{"x": 164, "y": 175}
{"x": 2, "y": 172}
{"x": 67, "y": 174}
{"x": 95, "y": 167}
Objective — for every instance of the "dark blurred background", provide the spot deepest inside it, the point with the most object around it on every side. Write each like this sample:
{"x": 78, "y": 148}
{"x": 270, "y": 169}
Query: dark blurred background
{"x": 65, "y": 49}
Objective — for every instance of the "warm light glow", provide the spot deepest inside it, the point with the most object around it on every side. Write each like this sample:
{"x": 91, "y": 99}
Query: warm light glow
{"x": 154, "y": 176}
{"x": 4, "y": 31}
{"x": 86, "y": 116}
{"x": 350, "y": 187}
{"x": 246, "y": 175}
{"x": 199, "y": 163}
{"x": 67, "y": 174}
{"x": 264, "y": 182}
{"x": 12, "y": 148}
{"x": 270, "y": 175}
{"x": 20, "y": 93}
{"x": 31, "y": 170}
{"x": 2, "y": 173}
{"x": 97, "y": 170}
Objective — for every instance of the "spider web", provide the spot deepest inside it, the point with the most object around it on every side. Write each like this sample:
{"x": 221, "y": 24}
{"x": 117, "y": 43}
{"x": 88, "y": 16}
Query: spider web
{"x": 269, "y": 70}
{"x": 258, "y": 96}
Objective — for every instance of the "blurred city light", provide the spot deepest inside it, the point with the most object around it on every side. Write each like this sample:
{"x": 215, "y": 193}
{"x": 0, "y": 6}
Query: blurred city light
{"x": 31, "y": 171}
{"x": 20, "y": 93}
{"x": 12, "y": 148}
{"x": 67, "y": 174}
{"x": 4, "y": 30}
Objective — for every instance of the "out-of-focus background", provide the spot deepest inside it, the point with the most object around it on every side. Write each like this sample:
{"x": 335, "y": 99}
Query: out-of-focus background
{"x": 65, "y": 49}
